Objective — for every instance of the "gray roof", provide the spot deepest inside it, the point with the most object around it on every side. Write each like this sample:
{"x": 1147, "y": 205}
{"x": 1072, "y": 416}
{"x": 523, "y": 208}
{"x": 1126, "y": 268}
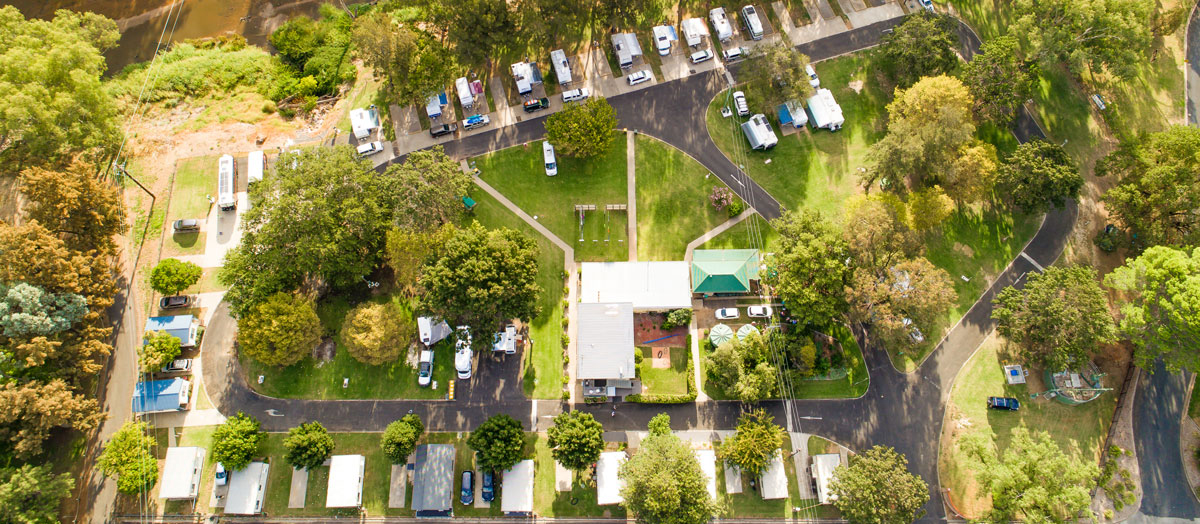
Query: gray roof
{"x": 433, "y": 481}
{"x": 606, "y": 341}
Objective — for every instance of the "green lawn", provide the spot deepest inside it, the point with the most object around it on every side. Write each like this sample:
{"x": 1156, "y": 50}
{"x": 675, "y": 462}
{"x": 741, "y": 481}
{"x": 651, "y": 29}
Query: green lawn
{"x": 579, "y": 502}
{"x": 375, "y": 480}
{"x": 519, "y": 174}
{"x": 1081, "y": 426}
{"x": 749, "y": 504}
{"x": 664, "y": 381}
{"x": 751, "y": 232}
{"x": 365, "y": 92}
{"x": 208, "y": 282}
{"x": 543, "y": 365}
{"x": 672, "y": 200}
{"x": 819, "y": 446}
{"x": 323, "y": 380}
{"x": 195, "y": 178}
{"x": 854, "y": 384}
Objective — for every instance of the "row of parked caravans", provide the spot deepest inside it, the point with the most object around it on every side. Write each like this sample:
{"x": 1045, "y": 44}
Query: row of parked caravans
{"x": 826, "y": 114}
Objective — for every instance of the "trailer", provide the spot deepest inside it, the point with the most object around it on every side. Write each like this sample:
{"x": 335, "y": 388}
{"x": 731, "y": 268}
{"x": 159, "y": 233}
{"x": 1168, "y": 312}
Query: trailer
{"x": 562, "y": 68}
{"x": 627, "y": 48}
{"x": 720, "y": 22}
{"x": 694, "y": 31}
{"x": 791, "y": 113}
{"x": 465, "y": 96}
{"x": 759, "y": 133}
{"x": 826, "y": 113}
{"x": 526, "y": 75}
{"x": 363, "y": 122}
{"x": 226, "y": 183}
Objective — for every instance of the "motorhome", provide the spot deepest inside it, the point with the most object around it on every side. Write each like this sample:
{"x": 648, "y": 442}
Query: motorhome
{"x": 826, "y": 113}
{"x": 720, "y": 24}
{"x": 753, "y": 23}
{"x": 226, "y": 183}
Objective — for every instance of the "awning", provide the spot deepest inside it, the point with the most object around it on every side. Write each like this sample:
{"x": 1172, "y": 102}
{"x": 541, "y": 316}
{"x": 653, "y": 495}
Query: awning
{"x": 720, "y": 334}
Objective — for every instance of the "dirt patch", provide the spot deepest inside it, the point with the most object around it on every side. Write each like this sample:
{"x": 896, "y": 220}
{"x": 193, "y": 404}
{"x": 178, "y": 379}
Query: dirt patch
{"x": 325, "y": 351}
{"x": 660, "y": 358}
{"x": 856, "y": 85}
{"x": 648, "y": 332}
{"x": 964, "y": 250}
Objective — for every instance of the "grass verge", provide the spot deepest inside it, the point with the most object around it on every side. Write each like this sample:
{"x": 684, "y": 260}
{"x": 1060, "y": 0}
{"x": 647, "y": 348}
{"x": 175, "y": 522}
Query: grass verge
{"x": 672, "y": 200}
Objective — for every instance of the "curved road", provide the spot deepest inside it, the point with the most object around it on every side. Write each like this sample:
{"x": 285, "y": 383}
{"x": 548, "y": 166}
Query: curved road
{"x": 900, "y": 410}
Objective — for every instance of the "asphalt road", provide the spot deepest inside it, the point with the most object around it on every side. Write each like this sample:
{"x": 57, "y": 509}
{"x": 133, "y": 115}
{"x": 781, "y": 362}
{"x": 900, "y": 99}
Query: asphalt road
{"x": 1192, "y": 68}
{"x": 1162, "y": 400}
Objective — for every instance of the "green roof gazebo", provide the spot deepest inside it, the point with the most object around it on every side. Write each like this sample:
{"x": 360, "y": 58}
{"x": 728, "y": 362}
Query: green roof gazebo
{"x": 724, "y": 270}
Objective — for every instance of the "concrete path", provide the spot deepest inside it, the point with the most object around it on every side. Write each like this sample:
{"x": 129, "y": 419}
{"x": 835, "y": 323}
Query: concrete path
{"x": 787, "y": 25}
{"x": 562, "y": 477}
{"x": 871, "y": 15}
{"x": 187, "y": 419}
{"x": 733, "y": 479}
{"x": 631, "y": 189}
{"x": 712, "y": 233}
{"x": 800, "y": 450}
{"x": 398, "y": 486}
{"x": 299, "y": 488}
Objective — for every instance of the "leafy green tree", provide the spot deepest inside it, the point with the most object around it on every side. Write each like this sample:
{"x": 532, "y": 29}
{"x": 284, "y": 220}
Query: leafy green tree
{"x": 236, "y": 442}
{"x": 76, "y": 204}
{"x": 1039, "y": 176}
{"x": 1059, "y": 319}
{"x": 280, "y": 331}
{"x": 665, "y": 485}
{"x": 744, "y": 368}
{"x": 876, "y": 233}
{"x": 810, "y": 272}
{"x": 376, "y": 334}
{"x": 999, "y": 80}
{"x": 432, "y": 185}
{"x": 757, "y": 440}
{"x": 54, "y": 101}
{"x": 400, "y": 438}
{"x": 158, "y": 349}
{"x": 576, "y": 439}
{"x": 127, "y": 458}
{"x": 171, "y": 276}
{"x": 482, "y": 278}
{"x": 547, "y": 22}
{"x": 498, "y": 443}
{"x": 27, "y": 310}
{"x": 1161, "y": 314}
{"x": 1159, "y": 188}
{"x": 624, "y": 13}
{"x": 971, "y": 176}
{"x": 929, "y": 126}
{"x": 1034, "y": 480}
{"x": 407, "y": 251}
{"x": 479, "y": 29}
{"x": 297, "y": 39}
{"x": 928, "y": 208}
{"x": 582, "y": 130}
{"x": 923, "y": 45}
{"x": 415, "y": 64}
{"x": 660, "y": 424}
{"x": 894, "y": 300}
{"x": 32, "y": 494}
{"x": 1099, "y": 34}
{"x": 29, "y": 411}
{"x": 308, "y": 445}
{"x": 878, "y": 488}
{"x": 774, "y": 75}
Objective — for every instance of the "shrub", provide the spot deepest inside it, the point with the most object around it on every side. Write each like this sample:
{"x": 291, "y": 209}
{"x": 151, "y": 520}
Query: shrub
{"x": 268, "y": 108}
{"x": 721, "y": 197}
{"x": 400, "y": 438}
{"x": 566, "y": 340}
{"x": 1109, "y": 239}
{"x": 678, "y": 317}
{"x": 736, "y": 208}
{"x": 638, "y": 356}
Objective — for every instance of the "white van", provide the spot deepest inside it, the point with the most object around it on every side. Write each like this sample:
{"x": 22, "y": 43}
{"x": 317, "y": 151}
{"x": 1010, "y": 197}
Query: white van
{"x": 812, "y": 76}
{"x": 753, "y": 24}
{"x": 576, "y": 94}
{"x": 548, "y": 158}
{"x": 732, "y": 54}
{"x": 702, "y": 55}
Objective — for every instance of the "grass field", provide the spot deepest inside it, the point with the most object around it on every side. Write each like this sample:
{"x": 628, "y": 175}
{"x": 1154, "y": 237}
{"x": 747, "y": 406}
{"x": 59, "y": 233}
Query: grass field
{"x": 366, "y": 91}
{"x": 543, "y": 365}
{"x": 748, "y": 233}
{"x": 1077, "y": 429}
{"x": 208, "y": 282}
{"x": 664, "y": 381}
{"x": 672, "y": 200}
{"x": 194, "y": 180}
{"x": 519, "y": 174}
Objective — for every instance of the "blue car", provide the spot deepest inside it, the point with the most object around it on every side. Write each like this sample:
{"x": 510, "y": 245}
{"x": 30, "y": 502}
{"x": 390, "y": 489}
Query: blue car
{"x": 489, "y": 490}
{"x": 468, "y": 488}
{"x": 1003, "y": 403}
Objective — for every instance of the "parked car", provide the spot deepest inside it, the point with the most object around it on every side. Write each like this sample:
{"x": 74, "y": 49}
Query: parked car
{"x": 739, "y": 103}
{"x": 759, "y": 311}
{"x": 370, "y": 148}
{"x": 728, "y": 313}
{"x": 914, "y": 332}
{"x": 1003, "y": 403}
{"x": 178, "y": 366}
{"x": 927, "y": 4}
{"x": 186, "y": 225}
{"x": 732, "y": 54}
{"x": 468, "y": 488}
{"x": 475, "y": 121}
{"x": 576, "y": 94}
{"x": 702, "y": 56}
{"x": 488, "y": 490}
{"x": 442, "y": 130}
{"x": 175, "y": 302}
{"x": 221, "y": 476}
{"x": 462, "y": 353}
{"x": 425, "y": 368}
{"x": 812, "y": 76}
{"x": 549, "y": 159}
{"x": 536, "y": 104}
{"x": 636, "y": 78}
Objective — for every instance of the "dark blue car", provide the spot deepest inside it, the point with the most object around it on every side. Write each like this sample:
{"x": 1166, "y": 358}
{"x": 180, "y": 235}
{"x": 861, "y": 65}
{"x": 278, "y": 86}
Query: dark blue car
{"x": 1004, "y": 403}
{"x": 468, "y": 488}
{"x": 488, "y": 491}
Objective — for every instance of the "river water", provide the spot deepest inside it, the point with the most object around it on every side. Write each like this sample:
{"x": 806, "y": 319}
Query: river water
{"x": 142, "y": 21}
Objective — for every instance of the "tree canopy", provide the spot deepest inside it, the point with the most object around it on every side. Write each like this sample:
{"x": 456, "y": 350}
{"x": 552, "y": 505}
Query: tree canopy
{"x": 1098, "y": 34}
{"x": 1159, "y": 187}
{"x": 74, "y": 203}
{"x": 665, "y": 485}
{"x": 158, "y": 349}
{"x": 236, "y": 442}
{"x": 999, "y": 80}
{"x": 1039, "y": 176}
{"x": 923, "y": 45}
{"x": 171, "y": 276}
{"x": 878, "y": 488}
{"x": 280, "y": 331}
{"x": 400, "y": 438}
{"x": 757, "y": 440}
{"x": 479, "y": 28}
{"x": 415, "y": 64}
{"x": 910, "y": 294}
{"x": 27, "y": 310}
{"x": 582, "y": 130}
{"x": 127, "y": 458}
{"x": 375, "y": 333}
{"x": 1161, "y": 314}
{"x": 744, "y": 368}
{"x": 408, "y": 250}
{"x": 660, "y": 424}
{"x": 876, "y": 233}
{"x": 774, "y": 75}
{"x": 431, "y": 186}
{"x": 32, "y": 494}
{"x": 1033, "y": 480}
{"x": 1059, "y": 319}
{"x": 576, "y": 439}
{"x": 29, "y": 411}
{"x": 308, "y": 445}
{"x": 498, "y": 443}
{"x": 929, "y": 126}
{"x": 810, "y": 274}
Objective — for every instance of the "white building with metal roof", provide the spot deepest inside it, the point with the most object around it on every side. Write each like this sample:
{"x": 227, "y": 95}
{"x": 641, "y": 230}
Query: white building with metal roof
{"x": 247, "y": 487}
{"x": 181, "y": 473}
{"x": 345, "y": 481}
{"x": 649, "y": 286}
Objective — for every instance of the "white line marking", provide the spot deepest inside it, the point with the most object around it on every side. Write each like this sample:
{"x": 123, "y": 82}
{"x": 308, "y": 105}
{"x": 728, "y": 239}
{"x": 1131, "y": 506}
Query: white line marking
{"x": 1034, "y": 262}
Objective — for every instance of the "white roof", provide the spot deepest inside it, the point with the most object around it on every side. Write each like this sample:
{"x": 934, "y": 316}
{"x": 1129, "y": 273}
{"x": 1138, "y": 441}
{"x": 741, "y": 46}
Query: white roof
{"x": 433, "y": 106}
{"x": 562, "y": 68}
{"x": 523, "y": 75}
{"x": 465, "y": 97}
{"x": 774, "y": 480}
{"x": 362, "y": 121}
{"x": 693, "y": 29}
{"x": 664, "y": 31}
{"x": 517, "y": 497}
{"x": 825, "y": 110}
{"x": 345, "y": 481}
{"x": 605, "y": 341}
{"x": 246, "y": 489}
{"x": 650, "y": 286}
{"x": 608, "y": 485}
{"x": 181, "y": 473}
{"x": 721, "y": 23}
{"x": 708, "y": 464}
{"x": 254, "y": 166}
{"x": 822, "y": 469}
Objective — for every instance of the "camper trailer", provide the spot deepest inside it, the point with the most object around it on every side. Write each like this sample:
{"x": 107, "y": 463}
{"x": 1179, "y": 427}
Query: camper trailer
{"x": 525, "y": 75}
{"x": 363, "y": 122}
{"x": 826, "y": 113}
{"x": 562, "y": 68}
{"x": 694, "y": 31}
{"x": 627, "y": 48}
{"x": 720, "y": 24}
{"x": 226, "y": 183}
{"x": 758, "y": 132}
{"x": 465, "y": 97}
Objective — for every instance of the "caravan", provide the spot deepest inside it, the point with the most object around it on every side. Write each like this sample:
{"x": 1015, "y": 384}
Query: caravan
{"x": 562, "y": 68}
{"x": 226, "y": 183}
{"x": 694, "y": 31}
{"x": 465, "y": 97}
{"x": 826, "y": 113}
{"x": 720, "y": 24}
{"x": 256, "y": 163}
{"x": 759, "y": 133}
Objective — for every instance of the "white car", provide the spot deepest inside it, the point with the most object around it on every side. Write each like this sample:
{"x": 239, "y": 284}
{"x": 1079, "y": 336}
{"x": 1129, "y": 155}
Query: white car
{"x": 221, "y": 476}
{"x": 812, "y": 76}
{"x": 548, "y": 158}
{"x": 758, "y": 311}
{"x": 576, "y": 94}
{"x": 732, "y": 54}
{"x": 425, "y": 368}
{"x": 644, "y": 75}
{"x": 702, "y": 56}
{"x": 739, "y": 103}
{"x": 462, "y": 360}
{"x": 370, "y": 148}
{"x": 728, "y": 313}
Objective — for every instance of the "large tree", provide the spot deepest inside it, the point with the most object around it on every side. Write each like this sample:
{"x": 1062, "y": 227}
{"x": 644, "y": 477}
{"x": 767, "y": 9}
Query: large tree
{"x": 483, "y": 278}
{"x": 408, "y": 250}
{"x": 75, "y": 204}
{"x": 929, "y": 126}
{"x": 498, "y": 443}
{"x": 894, "y": 300}
{"x": 29, "y": 411}
{"x": 157, "y": 350}
{"x": 280, "y": 331}
{"x": 127, "y": 458}
{"x": 1099, "y": 34}
{"x": 1059, "y": 319}
{"x": 877, "y": 488}
{"x": 774, "y": 75}
{"x": 431, "y": 186}
{"x": 876, "y": 233}
{"x": 625, "y": 13}
{"x": 375, "y": 333}
{"x": 171, "y": 276}
{"x": 480, "y": 29}
{"x": 52, "y": 101}
{"x": 999, "y": 80}
{"x": 415, "y": 64}
{"x": 1039, "y": 176}
{"x": 576, "y": 439}
{"x": 665, "y": 485}
{"x": 308, "y": 445}
{"x": 582, "y": 130}
{"x": 400, "y": 438}
{"x": 32, "y": 494}
{"x": 30, "y": 311}
{"x": 547, "y": 22}
{"x": 236, "y": 442}
{"x": 757, "y": 440}
{"x": 810, "y": 273}
{"x": 322, "y": 217}
{"x": 923, "y": 45}
{"x": 745, "y": 368}
{"x": 1034, "y": 480}
{"x": 1159, "y": 187}
{"x": 1161, "y": 312}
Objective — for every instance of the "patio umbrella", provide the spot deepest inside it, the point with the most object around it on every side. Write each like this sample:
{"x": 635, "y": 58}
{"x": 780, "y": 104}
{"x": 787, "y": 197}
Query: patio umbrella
{"x": 720, "y": 334}
{"x": 745, "y": 331}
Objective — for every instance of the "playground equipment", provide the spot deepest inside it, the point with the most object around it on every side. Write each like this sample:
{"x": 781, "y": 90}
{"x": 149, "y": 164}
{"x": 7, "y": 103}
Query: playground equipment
{"x": 581, "y": 210}
{"x": 1073, "y": 388}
